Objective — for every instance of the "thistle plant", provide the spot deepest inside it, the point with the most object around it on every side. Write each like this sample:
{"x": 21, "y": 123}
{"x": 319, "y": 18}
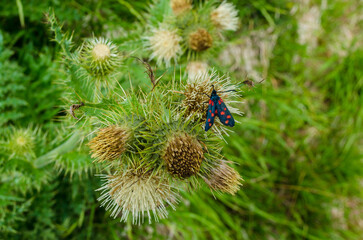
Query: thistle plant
{"x": 154, "y": 148}
{"x": 151, "y": 142}
{"x": 191, "y": 31}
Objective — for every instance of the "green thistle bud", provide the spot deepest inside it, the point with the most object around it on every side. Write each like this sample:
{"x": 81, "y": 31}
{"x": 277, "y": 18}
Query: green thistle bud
{"x": 224, "y": 178}
{"x": 200, "y": 40}
{"x": 137, "y": 193}
{"x": 183, "y": 155}
{"x": 109, "y": 143}
{"x": 99, "y": 56}
{"x": 21, "y": 142}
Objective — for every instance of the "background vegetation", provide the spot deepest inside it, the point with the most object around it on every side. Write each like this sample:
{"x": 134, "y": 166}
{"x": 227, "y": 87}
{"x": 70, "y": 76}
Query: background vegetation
{"x": 298, "y": 146}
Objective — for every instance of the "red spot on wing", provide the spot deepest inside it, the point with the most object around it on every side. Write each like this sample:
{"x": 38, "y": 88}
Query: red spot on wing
{"x": 210, "y": 124}
{"x": 210, "y": 101}
{"x": 208, "y": 119}
{"x": 212, "y": 114}
{"x": 229, "y": 116}
{"x": 216, "y": 111}
{"x": 210, "y": 111}
{"x": 219, "y": 102}
{"x": 225, "y": 109}
{"x": 222, "y": 113}
{"x": 227, "y": 121}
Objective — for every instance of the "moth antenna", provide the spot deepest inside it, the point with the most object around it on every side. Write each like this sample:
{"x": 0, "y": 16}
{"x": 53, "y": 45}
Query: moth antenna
{"x": 228, "y": 91}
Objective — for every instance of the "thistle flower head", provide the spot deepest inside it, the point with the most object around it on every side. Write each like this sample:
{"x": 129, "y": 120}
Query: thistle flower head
{"x": 101, "y": 52}
{"x": 109, "y": 143}
{"x": 180, "y": 6}
{"x": 99, "y": 56}
{"x": 225, "y": 17}
{"x": 200, "y": 40}
{"x": 165, "y": 45}
{"x": 137, "y": 193}
{"x": 183, "y": 155}
{"x": 22, "y": 141}
{"x": 224, "y": 178}
{"x": 196, "y": 68}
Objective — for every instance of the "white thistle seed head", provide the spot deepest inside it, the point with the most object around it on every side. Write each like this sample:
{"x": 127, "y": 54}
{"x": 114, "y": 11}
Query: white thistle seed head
{"x": 225, "y": 17}
{"x": 165, "y": 45}
{"x": 139, "y": 194}
{"x": 196, "y": 68}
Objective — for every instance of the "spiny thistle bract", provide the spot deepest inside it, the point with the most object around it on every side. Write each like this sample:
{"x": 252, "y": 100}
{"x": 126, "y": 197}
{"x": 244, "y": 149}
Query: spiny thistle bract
{"x": 109, "y": 143}
{"x": 195, "y": 31}
{"x": 183, "y": 155}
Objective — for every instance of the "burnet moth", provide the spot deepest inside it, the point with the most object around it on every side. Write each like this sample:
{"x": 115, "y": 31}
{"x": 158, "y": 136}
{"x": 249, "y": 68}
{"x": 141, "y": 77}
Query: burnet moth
{"x": 218, "y": 107}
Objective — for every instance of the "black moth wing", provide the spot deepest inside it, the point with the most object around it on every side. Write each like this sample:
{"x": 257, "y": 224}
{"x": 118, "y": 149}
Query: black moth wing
{"x": 211, "y": 114}
{"x": 224, "y": 114}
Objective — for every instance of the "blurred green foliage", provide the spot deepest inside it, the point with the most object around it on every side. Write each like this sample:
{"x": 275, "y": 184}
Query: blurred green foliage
{"x": 298, "y": 146}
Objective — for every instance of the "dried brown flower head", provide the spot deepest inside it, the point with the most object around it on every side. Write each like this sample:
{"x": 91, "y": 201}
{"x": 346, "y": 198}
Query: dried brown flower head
{"x": 224, "y": 178}
{"x": 200, "y": 40}
{"x": 180, "y": 6}
{"x": 139, "y": 194}
{"x": 183, "y": 155}
{"x": 109, "y": 143}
